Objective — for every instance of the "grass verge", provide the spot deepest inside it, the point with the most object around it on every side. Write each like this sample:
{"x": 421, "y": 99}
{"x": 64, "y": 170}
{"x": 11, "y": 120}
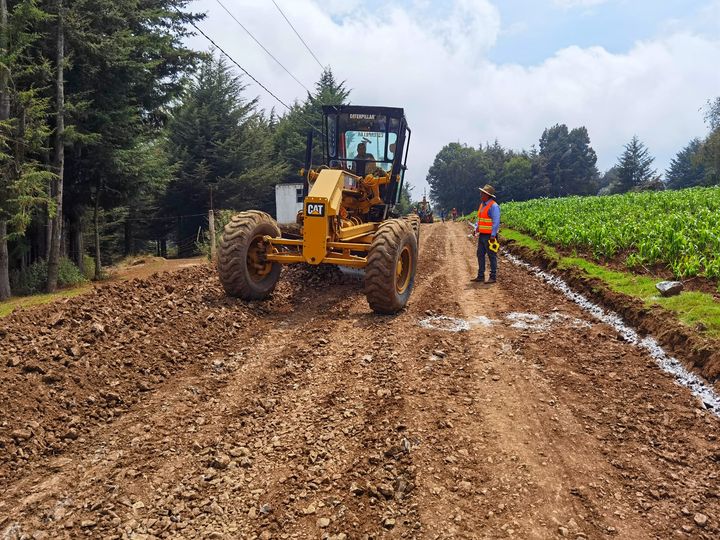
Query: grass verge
{"x": 691, "y": 308}
{"x": 8, "y": 306}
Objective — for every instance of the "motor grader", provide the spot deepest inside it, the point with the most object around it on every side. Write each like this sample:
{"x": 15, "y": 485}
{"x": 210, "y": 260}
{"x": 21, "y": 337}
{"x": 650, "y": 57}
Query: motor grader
{"x": 348, "y": 218}
{"x": 424, "y": 211}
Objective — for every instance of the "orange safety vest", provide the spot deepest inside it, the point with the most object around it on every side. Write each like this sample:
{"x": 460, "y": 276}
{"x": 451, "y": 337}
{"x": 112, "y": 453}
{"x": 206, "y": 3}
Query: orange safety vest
{"x": 485, "y": 224}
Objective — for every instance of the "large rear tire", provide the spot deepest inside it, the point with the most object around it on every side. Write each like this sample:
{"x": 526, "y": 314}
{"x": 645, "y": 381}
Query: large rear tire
{"x": 392, "y": 261}
{"x": 244, "y": 273}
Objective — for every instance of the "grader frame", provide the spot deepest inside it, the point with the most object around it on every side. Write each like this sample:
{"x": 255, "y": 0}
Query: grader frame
{"x": 348, "y": 215}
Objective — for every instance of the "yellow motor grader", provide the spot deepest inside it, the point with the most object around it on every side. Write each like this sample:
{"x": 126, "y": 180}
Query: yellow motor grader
{"x": 424, "y": 211}
{"x": 348, "y": 215}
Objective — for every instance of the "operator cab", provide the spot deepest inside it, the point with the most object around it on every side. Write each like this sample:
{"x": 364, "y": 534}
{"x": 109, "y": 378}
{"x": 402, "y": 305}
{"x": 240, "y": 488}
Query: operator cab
{"x": 368, "y": 141}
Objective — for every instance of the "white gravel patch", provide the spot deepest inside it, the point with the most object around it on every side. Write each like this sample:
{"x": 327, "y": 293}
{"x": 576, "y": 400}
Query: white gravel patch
{"x": 454, "y": 324}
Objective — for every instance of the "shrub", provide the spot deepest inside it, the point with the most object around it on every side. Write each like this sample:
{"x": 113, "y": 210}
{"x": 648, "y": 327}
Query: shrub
{"x": 34, "y": 280}
{"x": 69, "y": 274}
{"x": 88, "y": 267}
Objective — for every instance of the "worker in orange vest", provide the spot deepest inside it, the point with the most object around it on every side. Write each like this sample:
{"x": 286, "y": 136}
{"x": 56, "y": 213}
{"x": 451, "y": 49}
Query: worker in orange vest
{"x": 487, "y": 229}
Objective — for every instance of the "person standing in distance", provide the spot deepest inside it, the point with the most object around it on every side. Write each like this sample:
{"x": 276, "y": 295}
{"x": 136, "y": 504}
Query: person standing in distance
{"x": 487, "y": 228}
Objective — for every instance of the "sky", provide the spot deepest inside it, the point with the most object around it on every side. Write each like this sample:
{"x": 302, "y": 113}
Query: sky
{"x": 476, "y": 71}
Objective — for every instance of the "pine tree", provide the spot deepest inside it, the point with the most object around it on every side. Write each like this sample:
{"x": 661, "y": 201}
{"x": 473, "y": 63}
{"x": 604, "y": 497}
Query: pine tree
{"x": 566, "y": 164}
{"x": 635, "y": 166}
{"x": 583, "y": 161}
{"x": 685, "y": 171}
{"x": 57, "y": 184}
{"x": 128, "y": 63}
{"x": 290, "y": 136}
{"x": 216, "y": 138}
{"x": 23, "y": 127}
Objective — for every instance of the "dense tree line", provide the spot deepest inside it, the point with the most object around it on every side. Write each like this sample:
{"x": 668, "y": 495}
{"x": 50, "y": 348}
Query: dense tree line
{"x": 564, "y": 163}
{"x": 698, "y": 164}
{"x": 115, "y": 137}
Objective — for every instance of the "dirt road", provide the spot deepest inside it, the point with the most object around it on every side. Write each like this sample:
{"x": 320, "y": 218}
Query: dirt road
{"x": 162, "y": 409}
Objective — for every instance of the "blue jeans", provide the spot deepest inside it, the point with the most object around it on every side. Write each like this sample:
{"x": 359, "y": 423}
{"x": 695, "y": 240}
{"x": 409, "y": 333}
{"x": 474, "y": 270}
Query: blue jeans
{"x": 482, "y": 250}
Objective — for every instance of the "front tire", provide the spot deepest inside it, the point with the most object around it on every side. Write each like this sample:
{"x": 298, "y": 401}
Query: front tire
{"x": 390, "y": 272}
{"x": 244, "y": 272}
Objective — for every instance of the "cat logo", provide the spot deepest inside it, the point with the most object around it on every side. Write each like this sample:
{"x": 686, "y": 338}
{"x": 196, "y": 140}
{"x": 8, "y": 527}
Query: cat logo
{"x": 315, "y": 210}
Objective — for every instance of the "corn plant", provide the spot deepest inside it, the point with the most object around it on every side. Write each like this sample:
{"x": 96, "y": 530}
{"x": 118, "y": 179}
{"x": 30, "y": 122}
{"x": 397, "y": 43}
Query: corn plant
{"x": 678, "y": 229}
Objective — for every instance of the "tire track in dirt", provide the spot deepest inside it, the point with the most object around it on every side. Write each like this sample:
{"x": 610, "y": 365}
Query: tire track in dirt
{"x": 334, "y": 466}
{"x": 533, "y": 468}
{"x": 436, "y": 376}
{"x": 375, "y": 473}
{"x": 142, "y": 494}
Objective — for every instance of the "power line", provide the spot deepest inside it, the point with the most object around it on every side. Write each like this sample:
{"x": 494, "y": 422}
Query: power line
{"x": 219, "y": 48}
{"x": 262, "y": 46}
{"x": 299, "y": 36}
{"x": 261, "y": 85}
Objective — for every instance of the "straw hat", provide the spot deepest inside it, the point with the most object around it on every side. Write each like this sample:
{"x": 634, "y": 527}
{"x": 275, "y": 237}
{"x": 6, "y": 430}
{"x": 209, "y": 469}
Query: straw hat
{"x": 488, "y": 190}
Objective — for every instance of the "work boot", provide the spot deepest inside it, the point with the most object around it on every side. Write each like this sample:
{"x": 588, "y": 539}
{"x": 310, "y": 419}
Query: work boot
{"x": 478, "y": 279}
{"x": 491, "y": 280}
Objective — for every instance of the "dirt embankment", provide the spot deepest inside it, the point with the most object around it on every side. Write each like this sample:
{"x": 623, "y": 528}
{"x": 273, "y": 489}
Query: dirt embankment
{"x": 80, "y": 363}
{"x": 700, "y": 353}
{"x": 184, "y": 414}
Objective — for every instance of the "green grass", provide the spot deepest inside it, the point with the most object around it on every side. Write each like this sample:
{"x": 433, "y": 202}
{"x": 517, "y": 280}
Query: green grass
{"x": 529, "y": 242}
{"x": 8, "y": 306}
{"x": 690, "y": 307}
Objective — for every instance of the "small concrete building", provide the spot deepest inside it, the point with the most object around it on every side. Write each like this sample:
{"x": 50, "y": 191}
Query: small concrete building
{"x": 288, "y": 202}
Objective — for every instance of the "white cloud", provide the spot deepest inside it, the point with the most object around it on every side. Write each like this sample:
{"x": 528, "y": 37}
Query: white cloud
{"x": 437, "y": 69}
{"x": 705, "y": 21}
{"x": 470, "y": 29}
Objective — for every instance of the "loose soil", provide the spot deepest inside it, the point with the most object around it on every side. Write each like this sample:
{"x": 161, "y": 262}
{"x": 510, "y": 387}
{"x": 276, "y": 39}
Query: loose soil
{"x": 159, "y": 408}
{"x": 144, "y": 267}
{"x": 137, "y": 267}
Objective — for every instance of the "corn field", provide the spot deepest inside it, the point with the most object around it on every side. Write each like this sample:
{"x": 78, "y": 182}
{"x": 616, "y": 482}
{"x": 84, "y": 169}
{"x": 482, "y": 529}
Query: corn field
{"x": 680, "y": 229}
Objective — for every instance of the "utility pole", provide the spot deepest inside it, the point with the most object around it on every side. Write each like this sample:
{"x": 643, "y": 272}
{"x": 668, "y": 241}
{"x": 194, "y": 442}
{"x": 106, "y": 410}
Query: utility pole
{"x": 211, "y": 226}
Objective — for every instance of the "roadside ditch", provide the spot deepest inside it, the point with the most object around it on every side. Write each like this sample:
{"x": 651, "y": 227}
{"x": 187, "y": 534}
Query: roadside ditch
{"x": 700, "y": 354}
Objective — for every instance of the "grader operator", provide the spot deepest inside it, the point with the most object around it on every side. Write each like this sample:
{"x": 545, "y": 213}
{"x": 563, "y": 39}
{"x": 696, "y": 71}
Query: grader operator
{"x": 348, "y": 216}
